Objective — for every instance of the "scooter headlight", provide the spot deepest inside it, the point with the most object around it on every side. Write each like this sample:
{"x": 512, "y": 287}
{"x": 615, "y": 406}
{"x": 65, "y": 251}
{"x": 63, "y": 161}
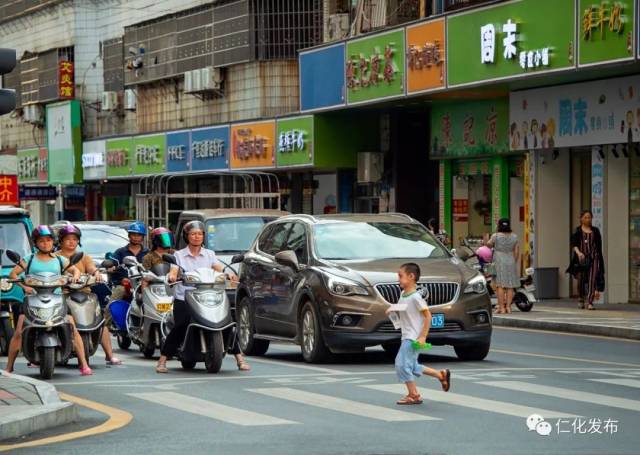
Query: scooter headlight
{"x": 210, "y": 299}
{"x": 159, "y": 290}
{"x": 5, "y": 285}
{"x": 42, "y": 314}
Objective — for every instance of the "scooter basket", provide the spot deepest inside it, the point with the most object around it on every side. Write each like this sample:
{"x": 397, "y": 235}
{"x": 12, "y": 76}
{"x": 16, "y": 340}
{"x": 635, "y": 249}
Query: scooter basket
{"x": 119, "y": 310}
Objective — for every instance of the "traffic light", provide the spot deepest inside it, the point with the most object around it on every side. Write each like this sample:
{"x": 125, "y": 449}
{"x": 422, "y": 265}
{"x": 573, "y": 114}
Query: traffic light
{"x": 7, "y": 96}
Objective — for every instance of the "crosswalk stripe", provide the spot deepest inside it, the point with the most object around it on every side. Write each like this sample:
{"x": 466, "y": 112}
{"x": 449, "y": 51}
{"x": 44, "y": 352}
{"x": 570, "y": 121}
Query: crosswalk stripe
{"x": 341, "y": 405}
{"x": 620, "y": 381}
{"x": 468, "y": 401}
{"x": 568, "y": 394}
{"x": 210, "y": 409}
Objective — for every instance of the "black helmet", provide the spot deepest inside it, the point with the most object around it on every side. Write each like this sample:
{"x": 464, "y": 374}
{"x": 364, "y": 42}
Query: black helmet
{"x": 190, "y": 226}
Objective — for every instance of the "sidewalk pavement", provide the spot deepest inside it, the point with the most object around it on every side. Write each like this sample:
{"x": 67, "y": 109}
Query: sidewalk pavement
{"x": 614, "y": 320}
{"x": 28, "y": 405}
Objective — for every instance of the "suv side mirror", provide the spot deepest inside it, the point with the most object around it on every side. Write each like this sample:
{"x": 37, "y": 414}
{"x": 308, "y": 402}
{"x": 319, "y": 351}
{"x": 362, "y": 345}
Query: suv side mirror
{"x": 237, "y": 259}
{"x": 288, "y": 258}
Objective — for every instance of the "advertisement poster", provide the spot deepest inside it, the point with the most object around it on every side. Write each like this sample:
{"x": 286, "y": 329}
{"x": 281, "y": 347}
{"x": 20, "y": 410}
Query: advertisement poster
{"x": 32, "y": 165}
{"x": 64, "y": 142}
{"x": 426, "y": 66}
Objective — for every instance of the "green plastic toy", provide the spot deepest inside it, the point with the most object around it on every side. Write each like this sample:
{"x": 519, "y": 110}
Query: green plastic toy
{"x": 420, "y": 347}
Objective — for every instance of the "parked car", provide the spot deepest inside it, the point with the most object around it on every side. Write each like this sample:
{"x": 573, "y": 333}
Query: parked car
{"x": 324, "y": 282}
{"x": 99, "y": 238}
{"x": 229, "y": 231}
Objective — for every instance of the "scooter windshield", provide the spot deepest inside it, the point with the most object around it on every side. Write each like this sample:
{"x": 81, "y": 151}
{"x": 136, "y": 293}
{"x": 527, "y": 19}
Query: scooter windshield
{"x": 45, "y": 280}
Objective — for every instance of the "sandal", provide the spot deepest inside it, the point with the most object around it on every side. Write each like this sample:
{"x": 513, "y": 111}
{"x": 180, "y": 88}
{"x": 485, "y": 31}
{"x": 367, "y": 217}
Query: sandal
{"x": 446, "y": 381}
{"x": 86, "y": 371}
{"x": 243, "y": 366}
{"x": 591, "y": 307}
{"x": 409, "y": 400}
{"x": 161, "y": 368}
{"x": 114, "y": 361}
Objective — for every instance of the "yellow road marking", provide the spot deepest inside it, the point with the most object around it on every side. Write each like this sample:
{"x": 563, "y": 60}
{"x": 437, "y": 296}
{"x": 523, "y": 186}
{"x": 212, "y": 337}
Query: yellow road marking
{"x": 117, "y": 419}
{"x": 567, "y": 334}
{"x": 561, "y": 357}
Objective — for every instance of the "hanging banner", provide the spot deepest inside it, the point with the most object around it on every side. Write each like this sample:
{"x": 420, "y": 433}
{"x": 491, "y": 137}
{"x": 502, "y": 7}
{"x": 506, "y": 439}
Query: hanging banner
{"x": 32, "y": 165}
{"x": 178, "y": 152}
{"x": 529, "y": 209}
{"x": 606, "y": 31}
{"x": 119, "y": 156}
{"x": 65, "y": 80}
{"x": 597, "y": 189}
{"x": 322, "y": 81}
{"x": 510, "y": 40}
{"x": 600, "y": 112}
{"x": 9, "y": 194}
{"x": 252, "y": 145}
{"x": 295, "y": 142}
{"x": 426, "y": 56}
{"x": 148, "y": 154}
{"x": 375, "y": 67}
{"x": 209, "y": 148}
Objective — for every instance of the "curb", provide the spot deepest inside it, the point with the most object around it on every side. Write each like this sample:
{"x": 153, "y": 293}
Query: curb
{"x": 568, "y": 327}
{"x": 31, "y": 418}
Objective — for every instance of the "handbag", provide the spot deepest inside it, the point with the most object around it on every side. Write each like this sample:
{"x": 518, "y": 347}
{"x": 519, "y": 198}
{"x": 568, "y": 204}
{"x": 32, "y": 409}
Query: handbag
{"x": 490, "y": 269}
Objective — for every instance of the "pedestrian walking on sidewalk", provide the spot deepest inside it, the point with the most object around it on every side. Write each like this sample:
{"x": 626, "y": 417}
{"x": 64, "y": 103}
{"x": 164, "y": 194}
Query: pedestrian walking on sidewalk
{"x": 505, "y": 259}
{"x": 415, "y": 320}
{"x": 587, "y": 263}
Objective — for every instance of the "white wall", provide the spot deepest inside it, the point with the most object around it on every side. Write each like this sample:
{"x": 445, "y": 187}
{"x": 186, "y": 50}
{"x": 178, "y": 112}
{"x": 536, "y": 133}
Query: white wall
{"x": 553, "y": 216}
{"x": 327, "y": 185}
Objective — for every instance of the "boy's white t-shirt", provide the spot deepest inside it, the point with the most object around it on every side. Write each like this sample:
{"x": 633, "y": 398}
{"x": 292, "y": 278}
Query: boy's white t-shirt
{"x": 410, "y": 308}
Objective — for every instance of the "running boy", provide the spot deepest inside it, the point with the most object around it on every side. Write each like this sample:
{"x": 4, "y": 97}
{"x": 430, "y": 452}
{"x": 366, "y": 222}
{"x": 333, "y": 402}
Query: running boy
{"x": 415, "y": 320}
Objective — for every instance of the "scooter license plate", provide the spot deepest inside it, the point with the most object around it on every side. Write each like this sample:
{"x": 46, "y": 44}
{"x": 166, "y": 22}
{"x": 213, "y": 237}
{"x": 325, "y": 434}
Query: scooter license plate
{"x": 163, "y": 307}
{"x": 437, "y": 321}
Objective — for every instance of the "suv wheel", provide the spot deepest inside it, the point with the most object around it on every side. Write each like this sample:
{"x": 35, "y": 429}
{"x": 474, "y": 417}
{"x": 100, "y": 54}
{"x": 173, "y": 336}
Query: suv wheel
{"x": 248, "y": 344}
{"x": 475, "y": 352}
{"x": 311, "y": 342}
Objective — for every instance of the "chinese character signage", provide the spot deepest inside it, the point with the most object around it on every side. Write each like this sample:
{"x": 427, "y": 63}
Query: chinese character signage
{"x": 118, "y": 153}
{"x": 9, "y": 194}
{"x": 148, "y": 154}
{"x": 252, "y": 145}
{"x": 64, "y": 142}
{"x": 426, "y": 56}
{"x": 469, "y": 129}
{"x": 322, "y": 83}
{"x": 606, "y": 31}
{"x": 38, "y": 193}
{"x": 295, "y": 142}
{"x": 178, "y": 151}
{"x": 94, "y": 160}
{"x": 509, "y": 40}
{"x": 32, "y": 165}
{"x": 600, "y": 112}
{"x": 209, "y": 148}
{"x": 65, "y": 80}
{"x": 375, "y": 67}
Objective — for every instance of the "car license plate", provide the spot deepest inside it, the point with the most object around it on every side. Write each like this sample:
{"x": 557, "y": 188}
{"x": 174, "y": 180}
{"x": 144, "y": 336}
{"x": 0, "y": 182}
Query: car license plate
{"x": 437, "y": 321}
{"x": 163, "y": 307}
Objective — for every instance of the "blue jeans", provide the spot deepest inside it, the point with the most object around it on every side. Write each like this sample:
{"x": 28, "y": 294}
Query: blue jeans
{"x": 407, "y": 366}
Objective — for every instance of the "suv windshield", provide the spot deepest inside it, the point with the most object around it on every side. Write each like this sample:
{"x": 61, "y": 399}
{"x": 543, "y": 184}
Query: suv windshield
{"x": 14, "y": 237}
{"x": 98, "y": 242}
{"x": 354, "y": 240}
{"x": 233, "y": 235}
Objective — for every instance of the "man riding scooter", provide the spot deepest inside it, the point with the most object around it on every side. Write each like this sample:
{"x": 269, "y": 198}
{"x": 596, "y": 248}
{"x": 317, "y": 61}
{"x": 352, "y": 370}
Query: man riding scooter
{"x": 191, "y": 258}
{"x": 44, "y": 261}
{"x": 69, "y": 238}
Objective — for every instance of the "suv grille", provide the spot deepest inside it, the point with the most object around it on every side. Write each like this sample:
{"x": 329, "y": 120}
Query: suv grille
{"x": 387, "y": 327}
{"x": 439, "y": 293}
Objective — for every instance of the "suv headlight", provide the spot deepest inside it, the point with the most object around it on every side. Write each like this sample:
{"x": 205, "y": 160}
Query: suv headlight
{"x": 477, "y": 285}
{"x": 345, "y": 287}
{"x": 5, "y": 285}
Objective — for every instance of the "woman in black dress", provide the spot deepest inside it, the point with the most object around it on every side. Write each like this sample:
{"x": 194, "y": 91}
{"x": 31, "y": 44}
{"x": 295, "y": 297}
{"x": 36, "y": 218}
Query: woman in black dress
{"x": 588, "y": 262}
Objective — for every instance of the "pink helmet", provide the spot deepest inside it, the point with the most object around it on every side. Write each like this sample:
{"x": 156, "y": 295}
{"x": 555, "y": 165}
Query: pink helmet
{"x": 485, "y": 253}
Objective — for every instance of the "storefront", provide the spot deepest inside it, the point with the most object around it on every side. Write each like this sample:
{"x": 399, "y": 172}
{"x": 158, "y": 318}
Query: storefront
{"x": 36, "y": 195}
{"x": 586, "y": 153}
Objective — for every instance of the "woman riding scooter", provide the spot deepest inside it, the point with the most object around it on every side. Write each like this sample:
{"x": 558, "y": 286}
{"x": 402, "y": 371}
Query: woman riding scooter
{"x": 190, "y": 259}
{"x": 69, "y": 239}
{"x": 162, "y": 242}
{"x": 44, "y": 261}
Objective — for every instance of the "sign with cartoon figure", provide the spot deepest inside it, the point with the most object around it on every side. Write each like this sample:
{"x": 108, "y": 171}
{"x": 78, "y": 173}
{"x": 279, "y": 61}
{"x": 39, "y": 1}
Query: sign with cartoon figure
{"x": 606, "y": 31}
{"x": 469, "y": 129}
{"x": 600, "y": 112}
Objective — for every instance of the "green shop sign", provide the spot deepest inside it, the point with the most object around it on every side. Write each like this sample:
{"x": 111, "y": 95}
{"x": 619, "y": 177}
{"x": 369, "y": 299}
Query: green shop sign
{"x": 606, "y": 31}
{"x": 148, "y": 155}
{"x": 375, "y": 67}
{"x": 469, "y": 129}
{"x": 510, "y": 40}
{"x": 295, "y": 142}
{"x": 64, "y": 142}
{"x": 118, "y": 153}
{"x": 32, "y": 165}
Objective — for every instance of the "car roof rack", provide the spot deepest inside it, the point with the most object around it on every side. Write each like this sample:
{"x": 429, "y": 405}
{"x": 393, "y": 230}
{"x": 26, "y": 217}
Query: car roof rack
{"x": 301, "y": 215}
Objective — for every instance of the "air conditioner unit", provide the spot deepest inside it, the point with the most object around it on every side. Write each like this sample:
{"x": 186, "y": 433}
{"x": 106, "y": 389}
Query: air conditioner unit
{"x": 32, "y": 113}
{"x": 212, "y": 78}
{"x": 336, "y": 27}
{"x": 370, "y": 166}
{"x": 130, "y": 99}
{"x": 196, "y": 80}
{"x": 109, "y": 101}
{"x": 188, "y": 82}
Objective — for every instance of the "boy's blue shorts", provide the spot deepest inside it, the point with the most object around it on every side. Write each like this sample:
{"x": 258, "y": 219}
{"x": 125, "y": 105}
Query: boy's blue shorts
{"x": 407, "y": 366}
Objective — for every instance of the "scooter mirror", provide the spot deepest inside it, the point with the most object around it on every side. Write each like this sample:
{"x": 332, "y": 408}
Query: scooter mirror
{"x": 13, "y": 257}
{"x": 110, "y": 257}
{"x": 130, "y": 261}
{"x": 107, "y": 264}
{"x": 170, "y": 258}
{"x": 237, "y": 259}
